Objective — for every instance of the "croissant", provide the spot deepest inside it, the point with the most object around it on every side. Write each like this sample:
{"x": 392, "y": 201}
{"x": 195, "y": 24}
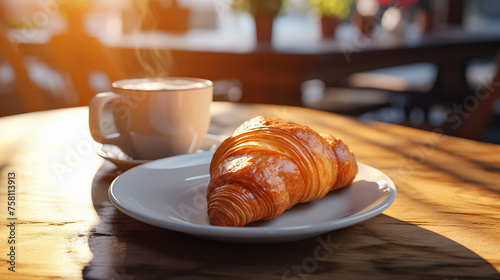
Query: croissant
{"x": 268, "y": 165}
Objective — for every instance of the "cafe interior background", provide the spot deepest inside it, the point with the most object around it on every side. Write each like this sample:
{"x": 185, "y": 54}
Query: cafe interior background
{"x": 59, "y": 53}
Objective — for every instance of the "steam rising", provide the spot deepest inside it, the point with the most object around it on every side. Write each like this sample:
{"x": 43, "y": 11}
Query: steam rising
{"x": 156, "y": 62}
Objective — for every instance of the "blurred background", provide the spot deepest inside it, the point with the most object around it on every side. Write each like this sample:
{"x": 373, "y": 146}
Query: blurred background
{"x": 425, "y": 64}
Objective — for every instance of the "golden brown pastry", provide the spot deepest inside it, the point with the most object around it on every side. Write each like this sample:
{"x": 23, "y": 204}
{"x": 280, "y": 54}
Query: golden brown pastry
{"x": 269, "y": 165}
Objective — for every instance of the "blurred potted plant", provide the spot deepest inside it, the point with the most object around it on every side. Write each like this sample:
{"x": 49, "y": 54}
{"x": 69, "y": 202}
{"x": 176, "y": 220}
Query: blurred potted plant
{"x": 263, "y": 12}
{"x": 366, "y": 16}
{"x": 164, "y": 15}
{"x": 396, "y": 17}
{"x": 331, "y": 13}
{"x": 424, "y": 15}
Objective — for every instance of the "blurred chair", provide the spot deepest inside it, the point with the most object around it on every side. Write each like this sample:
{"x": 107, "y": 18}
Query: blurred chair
{"x": 32, "y": 99}
{"x": 343, "y": 100}
{"x": 81, "y": 55}
{"x": 479, "y": 110}
{"x": 409, "y": 84}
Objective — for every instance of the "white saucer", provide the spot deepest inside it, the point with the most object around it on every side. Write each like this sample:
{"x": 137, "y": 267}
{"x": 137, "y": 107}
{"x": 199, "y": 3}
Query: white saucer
{"x": 171, "y": 193}
{"x": 124, "y": 162}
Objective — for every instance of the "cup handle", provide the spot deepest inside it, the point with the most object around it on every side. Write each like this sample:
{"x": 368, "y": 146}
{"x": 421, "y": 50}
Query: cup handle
{"x": 97, "y": 107}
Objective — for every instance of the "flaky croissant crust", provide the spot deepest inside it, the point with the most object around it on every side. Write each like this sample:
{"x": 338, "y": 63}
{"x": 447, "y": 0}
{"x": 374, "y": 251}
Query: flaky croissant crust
{"x": 269, "y": 165}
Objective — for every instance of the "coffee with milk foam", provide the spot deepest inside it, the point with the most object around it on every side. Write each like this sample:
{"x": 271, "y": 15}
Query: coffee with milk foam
{"x": 178, "y": 84}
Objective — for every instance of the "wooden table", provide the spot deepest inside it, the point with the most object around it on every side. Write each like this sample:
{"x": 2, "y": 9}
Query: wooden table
{"x": 444, "y": 224}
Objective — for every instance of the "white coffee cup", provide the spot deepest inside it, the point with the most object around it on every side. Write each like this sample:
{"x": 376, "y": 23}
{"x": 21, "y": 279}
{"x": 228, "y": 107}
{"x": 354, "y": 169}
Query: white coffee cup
{"x": 153, "y": 118}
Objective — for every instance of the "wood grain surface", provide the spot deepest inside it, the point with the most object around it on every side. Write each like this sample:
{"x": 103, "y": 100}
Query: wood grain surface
{"x": 444, "y": 224}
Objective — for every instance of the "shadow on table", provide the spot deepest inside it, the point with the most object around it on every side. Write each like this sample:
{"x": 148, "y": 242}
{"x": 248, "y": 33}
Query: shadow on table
{"x": 380, "y": 248}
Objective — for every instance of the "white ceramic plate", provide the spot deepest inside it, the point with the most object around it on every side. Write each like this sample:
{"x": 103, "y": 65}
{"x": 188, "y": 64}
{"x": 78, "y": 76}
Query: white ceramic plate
{"x": 170, "y": 193}
{"x": 124, "y": 162}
